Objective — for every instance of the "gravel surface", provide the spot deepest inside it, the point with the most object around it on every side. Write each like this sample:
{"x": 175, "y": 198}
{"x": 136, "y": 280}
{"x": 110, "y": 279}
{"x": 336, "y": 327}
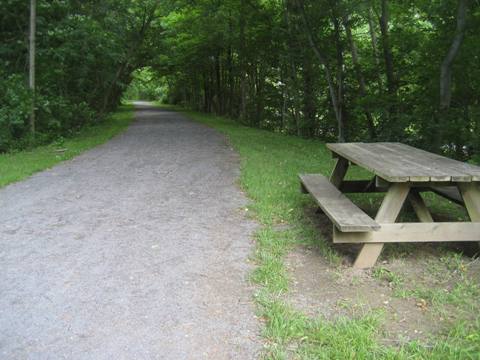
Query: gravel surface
{"x": 136, "y": 249}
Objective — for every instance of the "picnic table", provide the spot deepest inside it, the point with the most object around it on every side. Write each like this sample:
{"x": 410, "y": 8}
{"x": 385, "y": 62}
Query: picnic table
{"x": 403, "y": 173}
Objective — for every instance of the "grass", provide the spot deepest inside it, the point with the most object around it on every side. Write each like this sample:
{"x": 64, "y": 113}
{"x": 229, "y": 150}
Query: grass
{"x": 270, "y": 164}
{"x": 19, "y": 165}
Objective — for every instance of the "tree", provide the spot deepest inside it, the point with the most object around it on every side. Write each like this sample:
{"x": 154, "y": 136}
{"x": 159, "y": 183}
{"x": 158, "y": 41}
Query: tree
{"x": 359, "y": 74}
{"x": 446, "y": 68}
{"x": 31, "y": 62}
{"x": 336, "y": 92}
{"x": 334, "y": 70}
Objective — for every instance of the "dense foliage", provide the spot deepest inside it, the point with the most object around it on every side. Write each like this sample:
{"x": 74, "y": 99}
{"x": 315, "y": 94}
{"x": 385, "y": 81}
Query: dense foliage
{"x": 370, "y": 70}
{"x": 146, "y": 85}
{"x": 347, "y": 70}
{"x": 86, "y": 52}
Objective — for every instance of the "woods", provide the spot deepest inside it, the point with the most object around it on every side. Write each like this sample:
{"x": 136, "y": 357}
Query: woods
{"x": 85, "y": 54}
{"x": 270, "y": 197}
{"x": 336, "y": 70}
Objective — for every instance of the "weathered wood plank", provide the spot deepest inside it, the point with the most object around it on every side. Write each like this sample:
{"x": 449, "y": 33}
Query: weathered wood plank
{"x": 391, "y": 206}
{"x": 419, "y": 168}
{"x": 471, "y": 197}
{"x": 375, "y": 162}
{"x": 395, "y": 161}
{"x": 457, "y": 170}
{"x": 419, "y": 206}
{"x": 342, "y": 212}
{"x": 414, "y": 232}
{"x": 448, "y": 192}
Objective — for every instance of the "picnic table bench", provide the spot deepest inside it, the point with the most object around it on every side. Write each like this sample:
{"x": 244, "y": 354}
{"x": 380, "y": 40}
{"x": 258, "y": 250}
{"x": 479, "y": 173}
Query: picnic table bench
{"x": 402, "y": 172}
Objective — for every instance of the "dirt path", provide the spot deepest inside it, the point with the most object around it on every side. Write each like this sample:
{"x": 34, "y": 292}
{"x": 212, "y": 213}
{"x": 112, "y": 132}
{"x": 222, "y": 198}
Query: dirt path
{"x": 134, "y": 250}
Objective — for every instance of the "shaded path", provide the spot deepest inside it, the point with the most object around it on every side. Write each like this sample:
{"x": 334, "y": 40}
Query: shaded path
{"x": 134, "y": 250}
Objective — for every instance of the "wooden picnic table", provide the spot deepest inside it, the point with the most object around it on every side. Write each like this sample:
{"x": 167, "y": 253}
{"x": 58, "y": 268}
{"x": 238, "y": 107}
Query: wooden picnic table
{"x": 403, "y": 173}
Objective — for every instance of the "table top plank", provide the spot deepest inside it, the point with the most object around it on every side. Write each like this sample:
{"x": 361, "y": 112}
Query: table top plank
{"x": 376, "y": 163}
{"x": 397, "y": 162}
{"x": 459, "y": 171}
{"x": 421, "y": 166}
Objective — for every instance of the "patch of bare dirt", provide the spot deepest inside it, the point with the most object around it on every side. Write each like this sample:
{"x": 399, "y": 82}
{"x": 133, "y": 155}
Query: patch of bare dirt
{"x": 320, "y": 289}
{"x": 430, "y": 276}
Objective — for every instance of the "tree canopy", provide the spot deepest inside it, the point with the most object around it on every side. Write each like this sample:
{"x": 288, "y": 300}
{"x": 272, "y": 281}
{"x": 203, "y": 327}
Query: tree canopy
{"x": 86, "y": 53}
{"x": 382, "y": 70}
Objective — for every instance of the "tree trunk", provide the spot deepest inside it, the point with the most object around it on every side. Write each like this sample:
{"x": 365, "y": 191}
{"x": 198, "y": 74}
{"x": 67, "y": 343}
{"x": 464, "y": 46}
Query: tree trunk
{"x": 360, "y": 77}
{"x": 373, "y": 37}
{"x": 31, "y": 62}
{"x": 387, "y": 51}
{"x": 206, "y": 95}
{"x": 446, "y": 68}
{"x": 328, "y": 75}
{"x": 218, "y": 86}
{"x": 340, "y": 80}
{"x": 231, "y": 82}
{"x": 242, "y": 54}
{"x": 290, "y": 68}
{"x": 284, "y": 99}
{"x": 308, "y": 98}
{"x": 111, "y": 87}
{"x": 126, "y": 66}
{"x": 259, "y": 94}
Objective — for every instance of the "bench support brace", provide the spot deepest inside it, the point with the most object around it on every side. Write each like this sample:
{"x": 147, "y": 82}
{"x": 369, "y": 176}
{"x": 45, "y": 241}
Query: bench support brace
{"x": 419, "y": 206}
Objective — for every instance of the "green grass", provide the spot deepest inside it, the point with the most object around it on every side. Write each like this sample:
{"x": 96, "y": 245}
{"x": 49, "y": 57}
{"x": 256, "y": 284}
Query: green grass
{"x": 19, "y": 165}
{"x": 270, "y": 164}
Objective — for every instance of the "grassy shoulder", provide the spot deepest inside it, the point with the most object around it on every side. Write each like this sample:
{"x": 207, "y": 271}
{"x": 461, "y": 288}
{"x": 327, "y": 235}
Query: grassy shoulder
{"x": 270, "y": 166}
{"x": 19, "y": 165}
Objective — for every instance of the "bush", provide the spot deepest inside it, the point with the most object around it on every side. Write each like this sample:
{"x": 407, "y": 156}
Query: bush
{"x": 16, "y": 102}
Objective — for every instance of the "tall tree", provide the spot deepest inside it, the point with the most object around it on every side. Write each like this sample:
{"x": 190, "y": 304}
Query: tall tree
{"x": 334, "y": 93}
{"x": 359, "y": 75}
{"x": 387, "y": 50}
{"x": 31, "y": 62}
{"x": 446, "y": 67}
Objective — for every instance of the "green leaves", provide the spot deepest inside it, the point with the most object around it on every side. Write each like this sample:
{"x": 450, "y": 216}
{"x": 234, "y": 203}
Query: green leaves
{"x": 16, "y": 102}
{"x": 227, "y": 57}
{"x": 86, "y": 52}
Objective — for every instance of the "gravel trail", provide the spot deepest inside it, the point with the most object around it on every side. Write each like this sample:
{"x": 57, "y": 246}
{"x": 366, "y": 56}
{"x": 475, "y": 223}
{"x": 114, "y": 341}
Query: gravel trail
{"x": 136, "y": 249}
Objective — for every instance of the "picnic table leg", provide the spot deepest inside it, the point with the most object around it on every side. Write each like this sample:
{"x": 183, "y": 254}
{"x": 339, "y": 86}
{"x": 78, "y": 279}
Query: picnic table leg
{"x": 339, "y": 172}
{"x": 471, "y": 197}
{"x": 388, "y": 213}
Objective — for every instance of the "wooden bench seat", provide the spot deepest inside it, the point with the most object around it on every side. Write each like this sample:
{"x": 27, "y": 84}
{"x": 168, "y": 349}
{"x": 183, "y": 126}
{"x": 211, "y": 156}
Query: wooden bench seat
{"x": 346, "y": 216}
